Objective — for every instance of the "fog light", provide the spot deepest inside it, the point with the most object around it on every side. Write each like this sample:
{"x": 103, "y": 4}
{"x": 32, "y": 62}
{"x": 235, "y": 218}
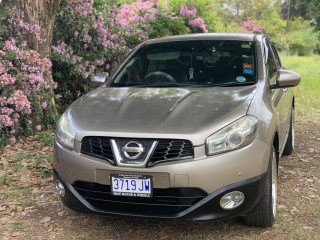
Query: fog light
{"x": 60, "y": 188}
{"x": 232, "y": 200}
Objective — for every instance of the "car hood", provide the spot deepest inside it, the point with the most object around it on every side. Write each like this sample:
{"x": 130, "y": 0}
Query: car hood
{"x": 181, "y": 113}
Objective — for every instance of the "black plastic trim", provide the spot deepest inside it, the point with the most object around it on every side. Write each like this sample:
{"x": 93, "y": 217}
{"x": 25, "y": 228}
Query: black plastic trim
{"x": 206, "y": 209}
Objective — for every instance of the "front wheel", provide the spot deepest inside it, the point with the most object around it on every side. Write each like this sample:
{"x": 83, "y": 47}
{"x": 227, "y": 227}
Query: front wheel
{"x": 264, "y": 213}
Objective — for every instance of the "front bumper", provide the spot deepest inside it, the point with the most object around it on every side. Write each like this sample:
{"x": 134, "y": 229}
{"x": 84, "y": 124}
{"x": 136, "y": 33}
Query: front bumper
{"x": 206, "y": 209}
{"x": 241, "y": 170}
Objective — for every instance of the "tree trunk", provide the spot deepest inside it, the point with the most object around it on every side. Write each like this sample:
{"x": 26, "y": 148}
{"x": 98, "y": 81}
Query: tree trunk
{"x": 43, "y": 13}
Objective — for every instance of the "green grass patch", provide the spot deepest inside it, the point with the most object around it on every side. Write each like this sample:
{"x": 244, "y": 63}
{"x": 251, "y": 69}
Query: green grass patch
{"x": 45, "y": 174}
{"x": 21, "y": 155}
{"x": 5, "y": 180}
{"x": 18, "y": 166}
{"x": 42, "y": 160}
{"x": 308, "y": 92}
{"x": 46, "y": 137}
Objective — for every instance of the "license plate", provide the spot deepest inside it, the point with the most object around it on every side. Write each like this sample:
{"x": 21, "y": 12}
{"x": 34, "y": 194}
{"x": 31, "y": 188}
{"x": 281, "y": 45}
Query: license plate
{"x": 131, "y": 185}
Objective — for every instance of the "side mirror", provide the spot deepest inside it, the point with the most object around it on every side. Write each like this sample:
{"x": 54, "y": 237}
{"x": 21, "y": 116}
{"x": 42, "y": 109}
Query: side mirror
{"x": 285, "y": 79}
{"x": 99, "y": 78}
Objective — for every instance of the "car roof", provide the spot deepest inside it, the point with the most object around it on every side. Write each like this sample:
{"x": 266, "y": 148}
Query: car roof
{"x": 208, "y": 36}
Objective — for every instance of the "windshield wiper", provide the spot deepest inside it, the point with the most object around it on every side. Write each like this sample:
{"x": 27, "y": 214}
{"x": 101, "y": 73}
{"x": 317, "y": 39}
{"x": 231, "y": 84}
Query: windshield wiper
{"x": 162, "y": 84}
{"x": 227, "y": 84}
{"x": 175, "y": 84}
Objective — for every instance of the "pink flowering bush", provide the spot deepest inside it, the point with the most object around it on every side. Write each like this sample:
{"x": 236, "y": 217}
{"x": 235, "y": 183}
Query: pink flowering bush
{"x": 140, "y": 21}
{"x": 250, "y": 26}
{"x": 90, "y": 39}
{"x": 86, "y": 41}
{"x": 197, "y": 24}
{"x": 24, "y": 78}
{"x": 19, "y": 29}
{"x": 186, "y": 13}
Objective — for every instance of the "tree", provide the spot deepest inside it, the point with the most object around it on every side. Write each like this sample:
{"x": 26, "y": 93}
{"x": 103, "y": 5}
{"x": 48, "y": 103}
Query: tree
{"x": 26, "y": 85}
{"x": 43, "y": 13}
{"x": 307, "y": 9}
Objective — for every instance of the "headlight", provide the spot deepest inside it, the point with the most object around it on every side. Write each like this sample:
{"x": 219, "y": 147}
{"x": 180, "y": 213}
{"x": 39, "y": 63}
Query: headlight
{"x": 65, "y": 135}
{"x": 236, "y": 135}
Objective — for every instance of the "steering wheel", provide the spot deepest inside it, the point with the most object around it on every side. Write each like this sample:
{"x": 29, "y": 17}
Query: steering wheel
{"x": 160, "y": 74}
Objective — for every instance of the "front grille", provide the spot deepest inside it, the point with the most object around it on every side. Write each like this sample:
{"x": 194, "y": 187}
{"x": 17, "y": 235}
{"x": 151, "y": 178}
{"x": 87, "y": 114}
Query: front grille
{"x": 168, "y": 150}
{"x": 165, "y": 202}
{"x": 99, "y": 147}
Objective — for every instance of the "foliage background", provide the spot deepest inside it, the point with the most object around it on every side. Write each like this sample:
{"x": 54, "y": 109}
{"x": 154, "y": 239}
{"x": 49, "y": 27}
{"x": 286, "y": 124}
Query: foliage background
{"x": 92, "y": 36}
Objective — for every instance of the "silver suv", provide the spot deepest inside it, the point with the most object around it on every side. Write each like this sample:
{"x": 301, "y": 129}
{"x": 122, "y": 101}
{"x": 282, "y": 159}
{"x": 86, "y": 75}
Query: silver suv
{"x": 186, "y": 128}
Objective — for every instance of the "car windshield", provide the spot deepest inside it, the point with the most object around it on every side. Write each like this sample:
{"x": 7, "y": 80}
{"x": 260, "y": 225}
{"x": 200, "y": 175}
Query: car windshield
{"x": 190, "y": 63}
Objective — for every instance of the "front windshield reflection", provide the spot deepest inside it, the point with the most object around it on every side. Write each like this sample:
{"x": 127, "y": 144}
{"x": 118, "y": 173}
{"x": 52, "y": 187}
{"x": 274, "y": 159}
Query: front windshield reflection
{"x": 180, "y": 64}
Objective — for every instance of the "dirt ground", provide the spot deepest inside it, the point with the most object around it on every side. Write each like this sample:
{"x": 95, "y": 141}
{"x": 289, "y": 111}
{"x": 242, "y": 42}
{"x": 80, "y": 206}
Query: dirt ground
{"x": 30, "y": 208}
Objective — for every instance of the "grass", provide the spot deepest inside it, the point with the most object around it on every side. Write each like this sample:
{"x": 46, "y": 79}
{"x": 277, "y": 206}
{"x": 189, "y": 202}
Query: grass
{"x": 42, "y": 159}
{"x": 307, "y": 93}
{"x": 21, "y": 155}
{"x": 46, "y": 137}
{"x": 5, "y": 180}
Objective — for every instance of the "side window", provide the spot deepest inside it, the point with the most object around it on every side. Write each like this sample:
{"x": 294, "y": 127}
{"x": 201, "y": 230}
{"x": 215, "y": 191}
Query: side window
{"x": 271, "y": 66}
{"x": 276, "y": 56}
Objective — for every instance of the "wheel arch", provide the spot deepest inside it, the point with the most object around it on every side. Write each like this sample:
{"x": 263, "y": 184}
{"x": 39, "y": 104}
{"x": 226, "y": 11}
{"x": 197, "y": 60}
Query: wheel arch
{"x": 293, "y": 102}
{"x": 276, "y": 145}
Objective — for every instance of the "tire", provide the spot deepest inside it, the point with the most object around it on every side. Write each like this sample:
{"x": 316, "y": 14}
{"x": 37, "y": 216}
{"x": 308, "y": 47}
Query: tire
{"x": 288, "y": 149}
{"x": 264, "y": 213}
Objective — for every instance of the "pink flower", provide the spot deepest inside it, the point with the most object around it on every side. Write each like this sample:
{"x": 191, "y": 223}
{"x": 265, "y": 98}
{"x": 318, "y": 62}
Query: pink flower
{"x": 249, "y": 24}
{"x": 20, "y": 101}
{"x": 44, "y": 104}
{"x": 10, "y": 45}
{"x": 60, "y": 48}
{"x": 2, "y": 69}
{"x": 12, "y": 132}
{"x": 258, "y": 29}
{"x": 251, "y": 27}
{"x": 187, "y": 13}
{"x": 38, "y": 127}
{"x": 99, "y": 62}
{"x": 5, "y": 121}
{"x": 16, "y": 117}
{"x": 198, "y": 23}
{"x": 7, "y": 111}
{"x": 3, "y": 101}
{"x": 12, "y": 139}
{"x": 87, "y": 38}
{"x": 144, "y": 6}
{"x": 7, "y": 79}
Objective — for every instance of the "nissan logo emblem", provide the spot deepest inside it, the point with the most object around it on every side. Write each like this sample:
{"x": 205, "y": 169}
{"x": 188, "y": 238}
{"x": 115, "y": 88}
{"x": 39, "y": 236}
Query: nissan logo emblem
{"x": 133, "y": 149}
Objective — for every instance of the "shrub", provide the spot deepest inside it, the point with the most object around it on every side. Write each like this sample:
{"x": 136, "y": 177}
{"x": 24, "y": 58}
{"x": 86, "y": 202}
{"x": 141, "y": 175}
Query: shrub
{"x": 85, "y": 42}
{"x": 91, "y": 38}
{"x": 250, "y": 26}
{"x": 24, "y": 79}
{"x": 302, "y": 38}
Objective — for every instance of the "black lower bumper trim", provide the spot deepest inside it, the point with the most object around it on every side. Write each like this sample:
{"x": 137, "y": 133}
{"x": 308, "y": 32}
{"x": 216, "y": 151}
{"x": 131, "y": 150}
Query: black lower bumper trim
{"x": 207, "y": 208}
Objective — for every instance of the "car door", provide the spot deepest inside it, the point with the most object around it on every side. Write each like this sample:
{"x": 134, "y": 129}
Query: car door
{"x": 288, "y": 96}
{"x": 279, "y": 100}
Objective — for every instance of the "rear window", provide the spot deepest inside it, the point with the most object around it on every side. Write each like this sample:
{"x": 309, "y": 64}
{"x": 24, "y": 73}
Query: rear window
{"x": 191, "y": 62}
